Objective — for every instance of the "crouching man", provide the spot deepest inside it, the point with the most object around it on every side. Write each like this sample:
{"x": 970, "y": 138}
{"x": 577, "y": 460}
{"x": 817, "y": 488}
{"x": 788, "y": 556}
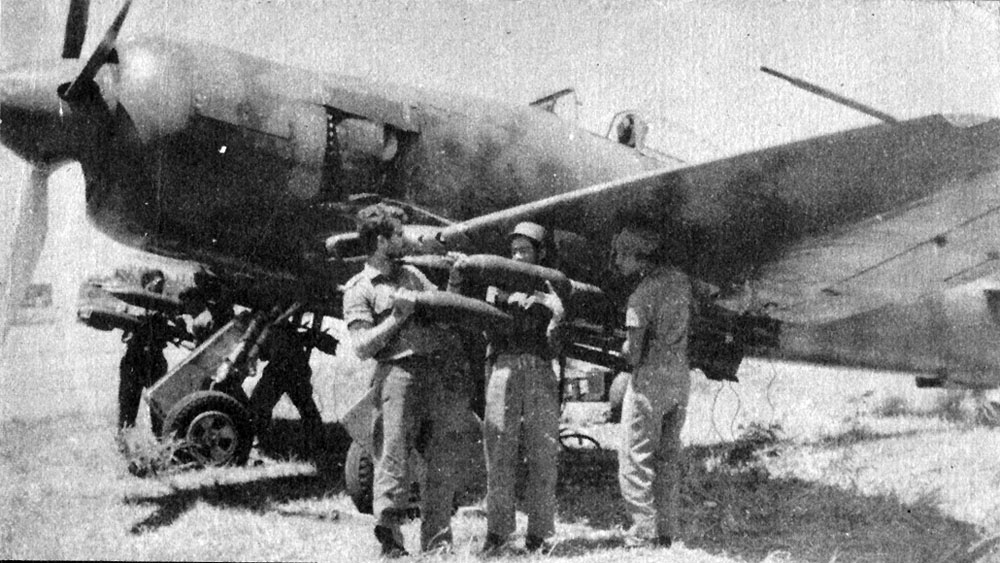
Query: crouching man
{"x": 423, "y": 392}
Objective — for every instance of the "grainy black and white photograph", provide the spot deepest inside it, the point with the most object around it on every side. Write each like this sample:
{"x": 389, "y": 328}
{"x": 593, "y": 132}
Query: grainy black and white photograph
{"x": 592, "y": 281}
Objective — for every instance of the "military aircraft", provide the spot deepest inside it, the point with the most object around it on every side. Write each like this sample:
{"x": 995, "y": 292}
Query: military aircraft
{"x": 255, "y": 170}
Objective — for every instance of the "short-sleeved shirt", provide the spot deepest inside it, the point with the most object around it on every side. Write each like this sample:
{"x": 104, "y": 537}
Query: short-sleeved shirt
{"x": 660, "y": 308}
{"x": 369, "y": 297}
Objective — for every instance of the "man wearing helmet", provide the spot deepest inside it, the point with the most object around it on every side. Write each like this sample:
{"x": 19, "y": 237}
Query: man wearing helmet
{"x": 522, "y": 402}
{"x": 655, "y": 402}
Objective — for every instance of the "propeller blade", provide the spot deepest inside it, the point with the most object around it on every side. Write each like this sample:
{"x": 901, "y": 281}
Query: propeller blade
{"x": 23, "y": 244}
{"x": 82, "y": 82}
{"x": 76, "y": 28}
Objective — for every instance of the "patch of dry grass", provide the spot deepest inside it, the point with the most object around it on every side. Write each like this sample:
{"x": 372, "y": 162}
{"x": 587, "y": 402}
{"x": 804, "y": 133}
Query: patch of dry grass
{"x": 146, "y": 456}
{"x": 959, "y": 406}
{"x": 893, "y": 405}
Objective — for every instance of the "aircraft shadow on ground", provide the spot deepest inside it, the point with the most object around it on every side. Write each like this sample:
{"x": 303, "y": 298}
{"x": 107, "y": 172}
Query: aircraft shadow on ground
{"x": 285, "y": 441}
{"x": 731, "y": 505}
{"x": 256, "y": 496}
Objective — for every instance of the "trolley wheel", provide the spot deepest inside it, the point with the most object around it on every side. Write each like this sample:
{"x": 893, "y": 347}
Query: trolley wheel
{"x": 213, "y": 427}
{"x": 359, "y": 477}
{"x": 577, "y": 441}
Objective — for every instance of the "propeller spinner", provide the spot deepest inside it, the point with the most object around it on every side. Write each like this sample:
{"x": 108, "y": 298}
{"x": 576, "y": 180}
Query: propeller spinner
{"x": 84, "y": 82}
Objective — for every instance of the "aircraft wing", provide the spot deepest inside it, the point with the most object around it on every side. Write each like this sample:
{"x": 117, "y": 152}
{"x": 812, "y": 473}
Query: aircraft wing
{"x": 815, "y": 230}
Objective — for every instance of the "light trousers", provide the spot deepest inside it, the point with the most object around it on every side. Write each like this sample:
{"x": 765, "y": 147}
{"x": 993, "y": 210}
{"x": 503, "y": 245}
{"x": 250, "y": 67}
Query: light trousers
{"x": 423, "y": 406}
{"x": 650, "y": 455}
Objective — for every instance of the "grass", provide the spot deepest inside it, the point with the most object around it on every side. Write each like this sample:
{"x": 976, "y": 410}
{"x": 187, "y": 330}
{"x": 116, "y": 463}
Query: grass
{"x": 971, "y": 408}
{"x": 145, "y": 456}
{"x": 795, "y": 464}
{"x": 893, "y": 406}
{"x": 74, "y": 498}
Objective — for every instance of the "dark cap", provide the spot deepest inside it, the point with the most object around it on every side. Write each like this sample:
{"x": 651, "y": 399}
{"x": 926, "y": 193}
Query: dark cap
{"x": 635, "y": 241}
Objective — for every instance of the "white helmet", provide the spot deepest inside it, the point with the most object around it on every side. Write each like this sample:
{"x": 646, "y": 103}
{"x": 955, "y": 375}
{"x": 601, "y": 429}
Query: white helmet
{"x": 530, "y": 231}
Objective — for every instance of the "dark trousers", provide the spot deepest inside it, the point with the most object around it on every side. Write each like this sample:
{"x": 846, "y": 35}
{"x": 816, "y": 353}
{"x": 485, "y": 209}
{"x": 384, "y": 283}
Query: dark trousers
{"x": 136, "y": 371}
{"x": 296, "y": 382}
{"x": 522, "y": 417}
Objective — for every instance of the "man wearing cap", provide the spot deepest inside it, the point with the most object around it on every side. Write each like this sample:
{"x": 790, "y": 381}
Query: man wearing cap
{"x": 420, "y": 376}
{"x": 522, "y": 403}
{"x": 655, "y": 402}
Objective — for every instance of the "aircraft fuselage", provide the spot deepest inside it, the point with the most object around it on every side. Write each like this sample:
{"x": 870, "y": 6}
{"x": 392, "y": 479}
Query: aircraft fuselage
{"x": 215, "y": 153}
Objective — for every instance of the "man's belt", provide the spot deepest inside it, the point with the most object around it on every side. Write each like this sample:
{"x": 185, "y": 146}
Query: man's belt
{"x": 436, "y": 356}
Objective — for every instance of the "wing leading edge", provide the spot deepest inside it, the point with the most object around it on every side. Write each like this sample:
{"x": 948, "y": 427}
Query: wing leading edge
{"x": 815, "y": 230}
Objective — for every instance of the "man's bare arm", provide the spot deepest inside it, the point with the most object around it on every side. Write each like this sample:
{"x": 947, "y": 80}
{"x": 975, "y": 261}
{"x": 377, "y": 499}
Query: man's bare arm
{"x": 553, "y": 332}
{"x": 632, "y": 350}
{"x": 368, "y": 339}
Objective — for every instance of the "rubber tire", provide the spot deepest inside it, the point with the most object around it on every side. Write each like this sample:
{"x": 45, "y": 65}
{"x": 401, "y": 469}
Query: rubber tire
{"x": 200, "y": 403}
{"x": 616, "y": 396}
{"x": 567, "y": 438}
{"x": 359, "y": 477}
{"x": 156, "y": 424}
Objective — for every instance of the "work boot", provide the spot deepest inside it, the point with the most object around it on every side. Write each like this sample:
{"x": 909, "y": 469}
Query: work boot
{"x": 392, "y": 547}
{"x": 639, "y": 537}
{"x": 637, "y": 542}
{"x": 533, "y": 543}
{"x": 493, "y": 545}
